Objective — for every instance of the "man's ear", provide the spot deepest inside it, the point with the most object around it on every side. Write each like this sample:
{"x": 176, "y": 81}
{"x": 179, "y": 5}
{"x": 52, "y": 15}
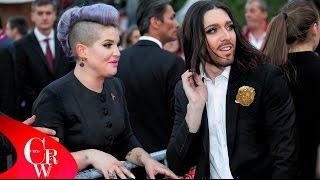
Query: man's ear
{"x": 155, "y": 23}
{"x": 315, "y": 29}
{"x": 265, "y": 15}
{"x": 32, "y": 16}
{"x": 14, "y": 31}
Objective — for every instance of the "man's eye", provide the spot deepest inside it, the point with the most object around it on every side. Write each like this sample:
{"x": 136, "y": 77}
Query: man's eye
{"x": 230, "y": 27}
{"x": 211, "y": 30}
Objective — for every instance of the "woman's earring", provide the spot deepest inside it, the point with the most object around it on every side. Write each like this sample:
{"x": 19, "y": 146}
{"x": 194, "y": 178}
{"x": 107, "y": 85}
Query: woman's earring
{"x": 82, "y": 62}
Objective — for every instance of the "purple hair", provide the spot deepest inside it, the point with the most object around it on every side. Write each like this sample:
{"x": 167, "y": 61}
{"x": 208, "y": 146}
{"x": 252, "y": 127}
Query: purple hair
{"x": 100, "y": 13}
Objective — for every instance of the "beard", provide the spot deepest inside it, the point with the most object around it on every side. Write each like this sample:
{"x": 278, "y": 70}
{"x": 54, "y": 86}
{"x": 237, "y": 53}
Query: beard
{"x": 218, "y": 61}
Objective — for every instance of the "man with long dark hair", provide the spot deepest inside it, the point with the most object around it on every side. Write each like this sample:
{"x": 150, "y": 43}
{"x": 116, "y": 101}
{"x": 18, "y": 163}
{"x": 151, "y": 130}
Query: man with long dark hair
{"x": 234, "y": 115}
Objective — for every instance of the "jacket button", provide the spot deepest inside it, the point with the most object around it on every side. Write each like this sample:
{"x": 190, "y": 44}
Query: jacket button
{"x": 111, "y": 138}
{"x": 105, "y": 111}
{"x": 102, "y": 98}
{"x": 108, "y": 124}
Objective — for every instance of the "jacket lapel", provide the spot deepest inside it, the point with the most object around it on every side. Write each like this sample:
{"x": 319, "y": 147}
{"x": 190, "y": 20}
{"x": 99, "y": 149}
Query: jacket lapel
{"x": 203, "y": 168}
{"x": 236, "y": 80}
{"x": 37, "y": 48}
{"x": 205, "y": 130}
{"x": 58, "y": 60}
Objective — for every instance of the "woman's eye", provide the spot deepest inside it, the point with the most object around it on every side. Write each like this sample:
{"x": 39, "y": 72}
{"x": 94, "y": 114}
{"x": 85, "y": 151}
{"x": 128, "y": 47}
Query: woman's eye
{"x": 107, "y": 45}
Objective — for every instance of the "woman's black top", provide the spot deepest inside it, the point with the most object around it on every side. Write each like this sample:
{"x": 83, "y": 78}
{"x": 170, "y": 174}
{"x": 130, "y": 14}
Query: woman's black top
{"x": 84, "y": 119}
{"x": 305, "y": 88}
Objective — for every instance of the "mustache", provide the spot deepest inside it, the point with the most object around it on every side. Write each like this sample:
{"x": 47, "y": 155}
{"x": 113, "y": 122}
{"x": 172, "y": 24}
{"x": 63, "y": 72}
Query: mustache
{"x": 224, "y": 43}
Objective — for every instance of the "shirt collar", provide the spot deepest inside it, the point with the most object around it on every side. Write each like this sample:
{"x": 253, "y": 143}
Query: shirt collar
{"x": 260, "y": 38}
{"x": 149, "y": 38}
{"x": 42, "y": 37}
{"x": 225, "y": 73}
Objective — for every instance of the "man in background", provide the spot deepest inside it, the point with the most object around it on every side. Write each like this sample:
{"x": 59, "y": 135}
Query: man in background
{"x": 4, "y": 39}
{"x": 256, "y": 14}
{"x": 39, "y": 56}
{"x": 150, "y": 73}
{"x": 17, "y": 27}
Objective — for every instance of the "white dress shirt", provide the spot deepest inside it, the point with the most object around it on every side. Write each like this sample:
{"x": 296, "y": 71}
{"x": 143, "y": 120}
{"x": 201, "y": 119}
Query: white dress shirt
{"x": 41, "y": 39}
{"x": 216, "y": 112}
{"x": 257, "y": 42}
{"x": 149, "y": 38}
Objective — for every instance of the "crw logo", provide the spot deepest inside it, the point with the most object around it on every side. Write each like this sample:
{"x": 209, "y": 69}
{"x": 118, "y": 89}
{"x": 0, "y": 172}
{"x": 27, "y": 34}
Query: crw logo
{"x": 41, "y": 158}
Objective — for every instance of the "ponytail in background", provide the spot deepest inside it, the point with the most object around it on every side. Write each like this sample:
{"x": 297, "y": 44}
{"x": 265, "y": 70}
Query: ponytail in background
{"x": 291, "y": 26}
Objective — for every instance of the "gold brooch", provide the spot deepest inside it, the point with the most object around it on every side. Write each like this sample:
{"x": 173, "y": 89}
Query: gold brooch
{"x": 245, "y": 95}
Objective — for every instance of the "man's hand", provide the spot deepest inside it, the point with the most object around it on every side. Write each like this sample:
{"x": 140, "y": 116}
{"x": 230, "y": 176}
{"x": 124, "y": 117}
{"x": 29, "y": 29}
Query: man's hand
{"x": 47, "y": 131}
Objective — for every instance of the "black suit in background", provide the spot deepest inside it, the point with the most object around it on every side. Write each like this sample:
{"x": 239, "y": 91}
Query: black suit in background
{"x": 149, "y": 74}
{"x": 8, "y": 153}
{"x": 261, "y": 138}
{"x": 33, "y": 73}
{"x": 8, "y": 99}
{"x": 305, "y": 90}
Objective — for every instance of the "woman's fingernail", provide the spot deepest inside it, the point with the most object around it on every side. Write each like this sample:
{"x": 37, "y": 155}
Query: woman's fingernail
{"x": 132, "y": 176}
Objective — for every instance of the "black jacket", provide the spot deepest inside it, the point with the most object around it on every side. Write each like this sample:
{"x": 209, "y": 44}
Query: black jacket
{"x": 84, "y": 119}
{"x": 8, "y": 90}
{"x": 150, "y": 74}
{"x": 260, "y": 138}
{"x": 32, "y": 70}
{"x": 305, "y": 88}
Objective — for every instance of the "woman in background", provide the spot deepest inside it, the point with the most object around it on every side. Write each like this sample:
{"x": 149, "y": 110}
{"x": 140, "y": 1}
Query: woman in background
{"x": 292, "y": 38}
{"x": 132, "y": 37}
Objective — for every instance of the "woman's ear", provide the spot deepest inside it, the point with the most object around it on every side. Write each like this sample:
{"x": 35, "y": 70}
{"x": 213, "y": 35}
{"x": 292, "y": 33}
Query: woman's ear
{"x": 81, "y": 50}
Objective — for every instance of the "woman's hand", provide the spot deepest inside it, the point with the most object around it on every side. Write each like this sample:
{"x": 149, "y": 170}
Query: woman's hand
{"x": 108, "y": 165}
{"x": 196, "y": 91}
{"x": 153, "y": 168}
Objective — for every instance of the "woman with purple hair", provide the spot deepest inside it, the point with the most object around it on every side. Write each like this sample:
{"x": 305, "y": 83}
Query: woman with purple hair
{"x": 87, "y": 107}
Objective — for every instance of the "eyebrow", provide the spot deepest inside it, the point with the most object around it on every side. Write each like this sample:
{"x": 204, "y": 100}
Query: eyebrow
{"x": 108, "y": 40}
{"x": 215, "y": 25}
{"x": 111, "y": 41}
